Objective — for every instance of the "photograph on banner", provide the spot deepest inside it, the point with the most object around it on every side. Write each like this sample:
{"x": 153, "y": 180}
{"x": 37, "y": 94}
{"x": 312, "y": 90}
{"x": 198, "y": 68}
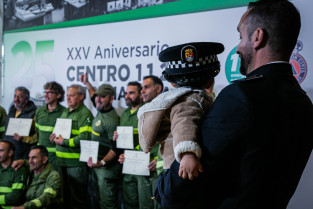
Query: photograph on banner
{"x": 30, "y": 13}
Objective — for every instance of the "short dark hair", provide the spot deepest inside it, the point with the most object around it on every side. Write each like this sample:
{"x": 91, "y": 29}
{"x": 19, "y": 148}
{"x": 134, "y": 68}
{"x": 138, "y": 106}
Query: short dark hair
{"x": 156, "y": 80}
{"x": 43, "y": 150}
{"x": 10, "y": 144}
{"x": 135, "y": 83}
{"x": 280, "y": 20}
{"x": 24, "y": 90}
{"x": 56, "y": 87}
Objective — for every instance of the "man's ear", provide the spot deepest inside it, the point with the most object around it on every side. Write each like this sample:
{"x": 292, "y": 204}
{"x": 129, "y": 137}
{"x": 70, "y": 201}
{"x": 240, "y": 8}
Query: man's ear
{"x": 258, "y": 38}
{"x": 45, "y": 159}
{"x": 159, "y": 88}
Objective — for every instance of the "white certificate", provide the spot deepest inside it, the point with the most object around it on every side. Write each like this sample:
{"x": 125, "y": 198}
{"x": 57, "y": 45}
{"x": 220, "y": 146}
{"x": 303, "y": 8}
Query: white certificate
{"x": 125, "y": 139}
{"x": 136, "y": 163}
{"x": 20, "y": 126}
{"x": 89, "y": 149}
{"x": 63, "y": 127}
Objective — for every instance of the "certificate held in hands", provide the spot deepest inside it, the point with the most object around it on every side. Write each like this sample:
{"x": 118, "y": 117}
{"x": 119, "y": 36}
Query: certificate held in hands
{"x": 136, "y": 163}
{"x": 89, "y": 149}
{"x": 63, "y": 127}
{"x": 125, "y": 139}
{"x": 20, "y": 126}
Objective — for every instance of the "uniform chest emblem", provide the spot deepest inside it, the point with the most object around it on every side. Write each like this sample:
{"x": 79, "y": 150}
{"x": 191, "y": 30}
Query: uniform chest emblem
{"x": 98, "y": 123}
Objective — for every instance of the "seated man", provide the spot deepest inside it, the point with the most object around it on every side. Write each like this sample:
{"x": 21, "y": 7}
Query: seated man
{"x": 44, "y": 186}
{"x": 12, "y": 183}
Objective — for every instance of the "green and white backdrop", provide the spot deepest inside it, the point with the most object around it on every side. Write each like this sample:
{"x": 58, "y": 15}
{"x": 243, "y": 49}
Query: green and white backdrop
{"x": 121, "y": 47}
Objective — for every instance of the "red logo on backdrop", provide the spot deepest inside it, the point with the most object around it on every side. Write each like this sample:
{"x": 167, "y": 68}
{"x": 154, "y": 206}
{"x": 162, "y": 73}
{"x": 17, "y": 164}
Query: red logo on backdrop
{"x": 299, "y": 66}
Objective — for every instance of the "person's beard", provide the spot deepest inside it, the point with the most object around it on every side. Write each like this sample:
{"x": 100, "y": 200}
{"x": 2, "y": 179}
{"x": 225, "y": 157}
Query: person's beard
{"x": 245, "y": 61}
{"x": 133, "y": 103}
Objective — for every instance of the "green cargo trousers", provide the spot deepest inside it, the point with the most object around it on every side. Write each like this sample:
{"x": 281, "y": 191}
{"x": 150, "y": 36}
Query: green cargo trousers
{"x": 108, "y": 179}
{"x": 75, "y": 184}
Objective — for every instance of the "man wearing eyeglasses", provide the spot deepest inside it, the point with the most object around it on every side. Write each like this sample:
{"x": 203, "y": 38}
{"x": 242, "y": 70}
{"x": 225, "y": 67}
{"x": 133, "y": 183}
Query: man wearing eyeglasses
{"x": 47, "y": 115}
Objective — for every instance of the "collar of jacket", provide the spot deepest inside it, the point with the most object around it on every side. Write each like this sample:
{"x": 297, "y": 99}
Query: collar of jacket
{"x": 164, "y": 100}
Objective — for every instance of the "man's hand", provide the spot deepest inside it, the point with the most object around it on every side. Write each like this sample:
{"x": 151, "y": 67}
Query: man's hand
{"x": 115, "y": 135}
{"x": 84, "y": 79}
{"x": 17, "y": 164}
{"x": 121, "y": 159}
{"x": 52, "y": 137}
{"x": 152, "y": 165}
{"x": 58, "y": 140}
{"x": 17, "y": 137}
{"x": 93, "y": 165}
{"x": 189, "y": 166}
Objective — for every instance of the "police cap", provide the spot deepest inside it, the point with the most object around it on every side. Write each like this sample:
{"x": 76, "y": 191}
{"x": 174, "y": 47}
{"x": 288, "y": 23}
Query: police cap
{"x": 191, "y": 63}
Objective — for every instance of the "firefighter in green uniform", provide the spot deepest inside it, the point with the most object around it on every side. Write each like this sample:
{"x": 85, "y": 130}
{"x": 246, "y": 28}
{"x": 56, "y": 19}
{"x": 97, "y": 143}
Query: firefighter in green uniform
{"x": 133, "y": 100}
{"x": 138, "y": 190}
{"x": 47, "y": 115}
{"x": 44, "y": 187}
{"x": 12, "y": 183}
{"x": 3, "y": 116}
{"x": 152, "y": 86}
{"x": 107, "y": 169}
{"x": 74, "y": 173}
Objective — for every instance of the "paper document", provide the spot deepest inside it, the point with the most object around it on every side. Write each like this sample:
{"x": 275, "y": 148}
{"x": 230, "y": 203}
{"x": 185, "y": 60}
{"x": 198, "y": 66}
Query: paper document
{"x": 89, "y": 149}
{"x": 63, "y": 127}
{"x": 20, "y": 126}
{"x": 125, "y": 138}
{"x": 136, "y": 163}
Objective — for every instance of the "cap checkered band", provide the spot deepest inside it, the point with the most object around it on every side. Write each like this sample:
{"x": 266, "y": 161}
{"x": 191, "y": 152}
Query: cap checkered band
{"x": 201, "y": 62}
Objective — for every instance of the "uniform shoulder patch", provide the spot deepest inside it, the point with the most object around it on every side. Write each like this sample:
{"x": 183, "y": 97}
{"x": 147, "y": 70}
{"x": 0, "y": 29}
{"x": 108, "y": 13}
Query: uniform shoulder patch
{"x": 255, "y": 77}
{"x": 98, "y": 123}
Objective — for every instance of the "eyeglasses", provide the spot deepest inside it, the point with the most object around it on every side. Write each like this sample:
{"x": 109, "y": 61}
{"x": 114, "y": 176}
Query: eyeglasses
{"x": 49, "y": 92}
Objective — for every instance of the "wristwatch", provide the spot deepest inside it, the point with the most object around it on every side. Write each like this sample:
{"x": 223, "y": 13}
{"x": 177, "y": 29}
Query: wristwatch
{"x": 103, "y": 162}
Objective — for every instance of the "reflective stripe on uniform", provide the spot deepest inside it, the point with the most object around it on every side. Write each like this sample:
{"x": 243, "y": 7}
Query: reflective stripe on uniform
{"x": 44, "y": 128}
{"x": 37, "y": 203}
{"x": 135, "y": 131}
{"x": 160, "y": 164}
{"x": 5, "y": 189}
{"x": 17, "y": 186}
{"x": 50, "y": 191}
{"x": 81, "y": 130}
{"x": 51, "y": 149}
{"x": 95, "y": 133}
{"x": 2, "y": 200}
{"x": 67, "y": 155}
{"x": 71, "y": 142}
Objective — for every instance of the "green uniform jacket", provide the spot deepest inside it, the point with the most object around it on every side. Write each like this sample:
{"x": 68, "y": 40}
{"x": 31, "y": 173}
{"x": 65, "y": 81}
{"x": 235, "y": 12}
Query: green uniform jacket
{"x": 69, "y": 153}
{"x": 128, "y": 119}
{"x": 12, "y": 185}
{"x": 45, "y": 122}
{"x": 44, "y": 189}
{"x": 3, "y": 116}
{"x": 103, "y": 127}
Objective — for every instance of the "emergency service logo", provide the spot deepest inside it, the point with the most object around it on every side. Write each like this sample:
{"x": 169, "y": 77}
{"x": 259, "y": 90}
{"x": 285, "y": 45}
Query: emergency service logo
{"x": 188, "y": 54}
{"x": 299, "y": 66}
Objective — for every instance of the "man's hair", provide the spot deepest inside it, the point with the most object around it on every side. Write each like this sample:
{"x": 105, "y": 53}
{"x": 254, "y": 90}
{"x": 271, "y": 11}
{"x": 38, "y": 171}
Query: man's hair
{"x": 155, "y": 80}
{"x": 80, "y": 90}
{"x": 56, "y": 87}
{"x": 24, "y": 90}
{"x": 10, "y": 144}
{"x": 135, "y": 83}
{"x": 280, "y": 20}
{"x": 43, "y": 150}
